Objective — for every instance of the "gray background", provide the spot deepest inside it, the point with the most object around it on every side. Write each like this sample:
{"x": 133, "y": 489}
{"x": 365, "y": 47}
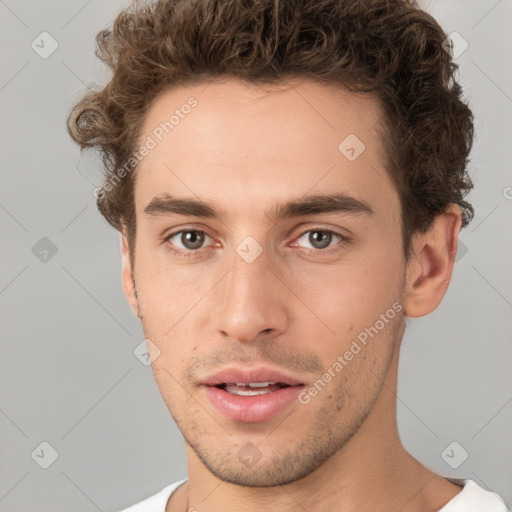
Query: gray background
{"x": 68, "y": 374}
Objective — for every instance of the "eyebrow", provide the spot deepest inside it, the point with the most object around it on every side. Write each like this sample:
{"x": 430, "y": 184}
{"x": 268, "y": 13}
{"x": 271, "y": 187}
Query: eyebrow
{"x": 165, "y": 204}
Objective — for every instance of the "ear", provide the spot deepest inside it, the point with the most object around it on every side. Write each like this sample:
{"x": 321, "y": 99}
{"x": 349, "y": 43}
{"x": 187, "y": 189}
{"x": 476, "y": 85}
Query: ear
{"x": 127, "y": 277}
{"x": 430, "y": 269}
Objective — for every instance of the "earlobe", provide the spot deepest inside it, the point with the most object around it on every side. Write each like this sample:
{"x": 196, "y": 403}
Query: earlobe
{"x": 430, "y": 269}
{"x": 127, "y": 277}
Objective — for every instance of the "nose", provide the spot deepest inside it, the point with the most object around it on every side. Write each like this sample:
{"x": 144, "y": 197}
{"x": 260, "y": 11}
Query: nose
{"x": 251, "y": 301}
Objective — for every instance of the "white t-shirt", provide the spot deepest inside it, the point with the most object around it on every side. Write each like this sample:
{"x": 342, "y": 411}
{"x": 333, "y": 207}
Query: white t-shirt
{"x": 472, "y": 498}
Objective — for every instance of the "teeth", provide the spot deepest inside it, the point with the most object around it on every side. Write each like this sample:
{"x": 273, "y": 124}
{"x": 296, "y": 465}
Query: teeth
{"x": 256, "y": 384}
{"x": 252, "y": 388}
{"x": 236, "y": 390}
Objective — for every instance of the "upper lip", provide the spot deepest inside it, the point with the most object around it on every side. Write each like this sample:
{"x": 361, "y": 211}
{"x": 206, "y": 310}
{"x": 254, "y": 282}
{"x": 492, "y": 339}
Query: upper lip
{"x": 241, "y": 375}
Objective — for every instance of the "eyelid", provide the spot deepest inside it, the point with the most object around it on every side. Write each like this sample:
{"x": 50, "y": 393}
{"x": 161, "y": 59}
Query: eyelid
{"x": 187, "y": 227}
{"x": 305, "y": 227}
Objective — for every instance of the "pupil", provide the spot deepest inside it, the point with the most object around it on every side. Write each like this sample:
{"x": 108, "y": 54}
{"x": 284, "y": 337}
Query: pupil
{"x": 192, "y": 239}
{"x": 320, "y": 239}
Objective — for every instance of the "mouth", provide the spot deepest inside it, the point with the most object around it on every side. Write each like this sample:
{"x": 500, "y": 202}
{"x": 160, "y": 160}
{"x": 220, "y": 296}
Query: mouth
{"x": 251, "y": 395}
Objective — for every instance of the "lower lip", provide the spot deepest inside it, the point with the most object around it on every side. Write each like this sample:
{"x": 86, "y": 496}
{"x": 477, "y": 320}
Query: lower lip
{"x": 252, "y": 409}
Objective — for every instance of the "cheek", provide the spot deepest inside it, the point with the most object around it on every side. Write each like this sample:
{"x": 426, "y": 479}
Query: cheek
{"x": 169, "y": 303}
{"x": 167, "y": 378}
{"x": 355, "y": 373}
{"x": 359, "y": 306}
{"x": 168, "y": 292}
{"x": 351, "y": 295}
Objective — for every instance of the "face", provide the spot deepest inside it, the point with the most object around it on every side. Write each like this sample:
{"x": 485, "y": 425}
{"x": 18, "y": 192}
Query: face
{"x": 266, "y": 282}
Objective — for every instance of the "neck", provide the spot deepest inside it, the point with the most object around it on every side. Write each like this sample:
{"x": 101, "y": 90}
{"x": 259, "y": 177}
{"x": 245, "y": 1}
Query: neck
{"x": 371, "y": 472}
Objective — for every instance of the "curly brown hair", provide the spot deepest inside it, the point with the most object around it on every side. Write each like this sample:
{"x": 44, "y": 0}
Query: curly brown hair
{"x": 387, "y": 48}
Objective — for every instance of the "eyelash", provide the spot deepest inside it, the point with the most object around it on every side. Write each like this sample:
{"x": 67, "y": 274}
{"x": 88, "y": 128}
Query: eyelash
{"x": 191, "y": 253}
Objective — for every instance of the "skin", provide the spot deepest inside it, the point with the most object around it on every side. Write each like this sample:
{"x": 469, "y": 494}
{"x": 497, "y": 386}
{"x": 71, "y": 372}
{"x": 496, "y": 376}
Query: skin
{"x": 246, "y": 148}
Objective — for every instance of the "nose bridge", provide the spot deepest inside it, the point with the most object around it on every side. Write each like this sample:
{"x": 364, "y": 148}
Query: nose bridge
{"x": 249, "y": 301}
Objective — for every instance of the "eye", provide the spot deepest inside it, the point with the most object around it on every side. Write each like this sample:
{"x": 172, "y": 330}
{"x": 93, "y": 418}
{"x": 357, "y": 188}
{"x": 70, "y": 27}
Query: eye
{"x": 189, "y": 242}
{"x": 187, "y": 239}
{"x": 320, "y": 239}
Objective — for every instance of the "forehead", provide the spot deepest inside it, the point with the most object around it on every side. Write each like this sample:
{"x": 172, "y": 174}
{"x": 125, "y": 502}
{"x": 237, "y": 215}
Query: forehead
{"x": 229, "y": 140}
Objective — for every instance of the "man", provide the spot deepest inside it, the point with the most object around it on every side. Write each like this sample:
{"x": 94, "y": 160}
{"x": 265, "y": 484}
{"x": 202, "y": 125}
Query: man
{"x": 289, "y": 182}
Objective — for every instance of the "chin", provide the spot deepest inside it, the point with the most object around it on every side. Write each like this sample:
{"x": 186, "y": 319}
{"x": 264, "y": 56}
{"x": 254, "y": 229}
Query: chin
{"x": 265, "y": 471}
